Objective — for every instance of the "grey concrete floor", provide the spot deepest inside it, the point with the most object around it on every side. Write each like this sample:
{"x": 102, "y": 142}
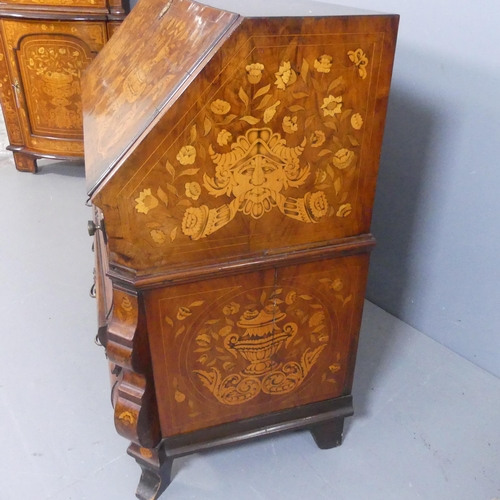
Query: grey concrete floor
{"x": 426, "y": 423}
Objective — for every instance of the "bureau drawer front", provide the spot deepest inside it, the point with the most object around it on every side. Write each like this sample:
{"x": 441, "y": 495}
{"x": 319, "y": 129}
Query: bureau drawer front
{"x": 246, "y": 345}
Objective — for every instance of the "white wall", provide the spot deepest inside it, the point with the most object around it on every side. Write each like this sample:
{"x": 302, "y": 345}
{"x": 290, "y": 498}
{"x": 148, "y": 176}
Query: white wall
{"x": 437, "y": 209}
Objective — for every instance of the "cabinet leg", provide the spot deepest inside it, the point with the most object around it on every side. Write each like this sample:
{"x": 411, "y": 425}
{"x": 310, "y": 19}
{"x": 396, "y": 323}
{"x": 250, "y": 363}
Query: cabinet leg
{"x": 328, "y": 434}
{"x": 25, "y": 163}
{"x": 156, "y": 471}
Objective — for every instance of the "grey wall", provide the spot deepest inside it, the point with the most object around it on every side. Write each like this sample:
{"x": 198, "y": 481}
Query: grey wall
{"x": 437, "y": 209}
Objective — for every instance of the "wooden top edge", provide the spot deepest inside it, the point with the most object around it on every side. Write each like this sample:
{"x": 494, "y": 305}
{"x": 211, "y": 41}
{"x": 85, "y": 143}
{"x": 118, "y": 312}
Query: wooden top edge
{"x": 52, "y": 14}
{"x": 287, "y": 8}
{"x": 127, "y": 278}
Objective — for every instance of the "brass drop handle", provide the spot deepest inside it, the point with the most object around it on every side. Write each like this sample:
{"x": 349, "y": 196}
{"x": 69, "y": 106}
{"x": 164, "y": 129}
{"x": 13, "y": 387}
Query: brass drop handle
{"x": 93, "y": 289}
{"x": 92, "y": 227}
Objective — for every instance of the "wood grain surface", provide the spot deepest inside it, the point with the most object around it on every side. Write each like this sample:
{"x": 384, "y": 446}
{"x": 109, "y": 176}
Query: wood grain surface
{"x": 236, "y": 187}
{"x": 45, "y": 47}
{"x": 237, "y": 347}
{"x": 275, "y": 144}
{"x": 140, "y": 81}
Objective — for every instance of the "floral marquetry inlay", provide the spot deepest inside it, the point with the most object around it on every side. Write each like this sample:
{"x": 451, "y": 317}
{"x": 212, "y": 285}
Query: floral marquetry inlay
{"x": 51, "y": 71}
{"x": 287, "y": 139}
{"x": 249, "y": 344}
{"x": 262, "y": 342}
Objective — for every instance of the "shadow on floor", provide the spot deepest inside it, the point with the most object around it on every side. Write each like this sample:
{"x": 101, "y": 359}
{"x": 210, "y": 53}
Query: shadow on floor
{"x": 67, "y": 168}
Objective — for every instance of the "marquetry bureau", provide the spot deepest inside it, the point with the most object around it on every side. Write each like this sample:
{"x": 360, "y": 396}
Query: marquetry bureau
{"x": 45, "y": 45}
{"x": 231, "y": 162}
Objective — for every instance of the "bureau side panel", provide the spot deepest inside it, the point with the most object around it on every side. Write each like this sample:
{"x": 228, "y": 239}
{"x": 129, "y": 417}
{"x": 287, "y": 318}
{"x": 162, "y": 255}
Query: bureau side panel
{"x": 275, "y": 144}
{"x": 232, "y": 348}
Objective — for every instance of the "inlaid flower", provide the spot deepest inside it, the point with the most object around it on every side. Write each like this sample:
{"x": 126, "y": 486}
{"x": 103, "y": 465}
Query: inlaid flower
{"x": 318, "y": 204}
{"x": 145, "y": 452}
{"x": 360, "y": 60}
{"x": 270, "y": 112}
{"x": 179, "y": 396}
{"x": 317, "y": 138}
{"x": 285, "y": 76}
{"x": 356, "y": 121}
{"x": 220, "y": 107}
{"x": 335, "y": 367}
{"x": 224, "y": 137}
{"x": 222, "y": 174}
{"x": 193, "y": 190}
{"x": 158, "y": 236}
{"x": 299, "y": 313}
{"x": 254, "y": 72}
{"x": 194, "y": 221}
{"x": 203, "y": 340}
{"x": 41, "y": 50}
{"x": 62, "y": 51}
{"x": 343, "y": 158}
{"x": 145, "y": 202}
{"x": 183, "y": 313}
{"x": 344, "y": 210}
{"x": 290, "y": 124}
{"x": 317, "y": 318}
{"x": 320, "y": 176}
{"x": 231, "y": 308}
{"x": 187, "y": 155}
{"x": 250, "y": 314}
{"x": 323, "y": 64}
{"x": 332, "y": 105}
{"x": 337, "y": 285}
{"x": 290, "y": 297}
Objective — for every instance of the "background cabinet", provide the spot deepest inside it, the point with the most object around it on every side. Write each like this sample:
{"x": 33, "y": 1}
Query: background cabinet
{"x": 44, "y": 49}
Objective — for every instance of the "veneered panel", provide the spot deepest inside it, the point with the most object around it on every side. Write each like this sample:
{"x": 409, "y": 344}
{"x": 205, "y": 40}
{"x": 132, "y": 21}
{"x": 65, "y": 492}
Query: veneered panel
{"x": 48, "y": 58}
{"x": 141, "y": 69}
{"x": 51, "y": 68}
{"x": 237, "y": 347}
{"x": 274, "y": 145}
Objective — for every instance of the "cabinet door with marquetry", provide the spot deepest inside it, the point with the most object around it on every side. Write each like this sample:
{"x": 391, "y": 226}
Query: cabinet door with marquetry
{"x": 246, "y": 345}
{"x": 46, "y": 62}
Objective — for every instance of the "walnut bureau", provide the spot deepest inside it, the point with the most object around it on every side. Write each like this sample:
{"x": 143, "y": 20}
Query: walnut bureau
{"x": 45, "y": 46}
{"x": 231, "y": 160}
